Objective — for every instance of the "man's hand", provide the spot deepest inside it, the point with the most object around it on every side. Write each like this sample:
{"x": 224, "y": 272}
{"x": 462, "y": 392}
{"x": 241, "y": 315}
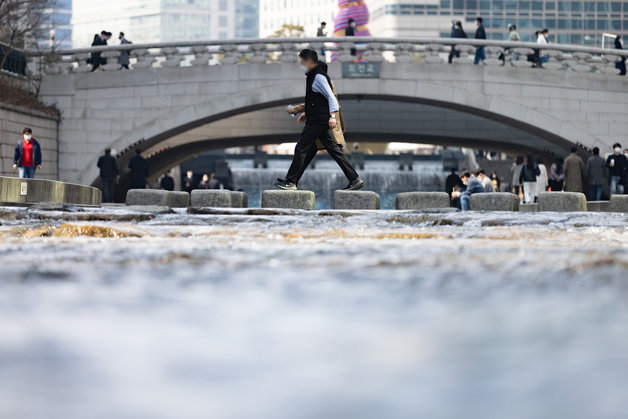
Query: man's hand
{"x": 15, "y": 167}
{"x": 301, "y": 118}
{"x": 290, "y": 110}
{"x": 332, "y": 123}
{"x": 39, "y": 167}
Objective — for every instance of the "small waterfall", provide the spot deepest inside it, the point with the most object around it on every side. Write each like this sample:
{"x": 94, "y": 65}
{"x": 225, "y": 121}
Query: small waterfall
{"x": 381, "y": 177}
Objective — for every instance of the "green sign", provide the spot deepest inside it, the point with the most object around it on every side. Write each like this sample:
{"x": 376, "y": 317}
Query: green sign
{"x": 360, "y": 70}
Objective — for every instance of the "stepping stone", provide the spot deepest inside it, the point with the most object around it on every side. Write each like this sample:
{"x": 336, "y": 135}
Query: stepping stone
{"x": 619, "y": 203}
{"x": 356, "y": 200}
{"x": 157, "y": 197}
{"x": 494, "y": 201}
{"x": 239, "y": 199}
{"x": 303, "y": 200}
{"x": 422, "y": 200}
{"x": 562, "y": 201}
{"x": 211, "y": 198}
{"x": 528, "y": 207}
{"x": 598, "y": 206}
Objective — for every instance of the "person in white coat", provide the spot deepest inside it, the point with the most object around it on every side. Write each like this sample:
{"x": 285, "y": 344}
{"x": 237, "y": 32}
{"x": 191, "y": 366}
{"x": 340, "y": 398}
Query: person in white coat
{"x": 542, "y": 180}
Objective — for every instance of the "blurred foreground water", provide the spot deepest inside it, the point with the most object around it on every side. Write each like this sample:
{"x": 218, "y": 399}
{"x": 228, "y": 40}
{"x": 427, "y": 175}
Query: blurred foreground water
{"x": 121, "y": 314}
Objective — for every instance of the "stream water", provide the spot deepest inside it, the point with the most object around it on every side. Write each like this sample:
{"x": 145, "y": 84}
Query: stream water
{"x": 114, "y": 313}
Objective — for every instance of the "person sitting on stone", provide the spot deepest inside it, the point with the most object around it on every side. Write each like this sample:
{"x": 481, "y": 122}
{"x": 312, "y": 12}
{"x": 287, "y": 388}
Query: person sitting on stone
{"x": 486, "y": 181}
{"x": 473, "y": 186}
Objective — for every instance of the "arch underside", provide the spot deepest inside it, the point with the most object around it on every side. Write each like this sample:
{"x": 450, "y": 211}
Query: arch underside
{"x": 370, "y": 118}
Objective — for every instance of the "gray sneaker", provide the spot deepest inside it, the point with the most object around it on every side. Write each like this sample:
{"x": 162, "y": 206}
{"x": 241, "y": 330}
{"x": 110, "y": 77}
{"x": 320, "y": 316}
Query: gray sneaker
{"x": 355, "y": 185}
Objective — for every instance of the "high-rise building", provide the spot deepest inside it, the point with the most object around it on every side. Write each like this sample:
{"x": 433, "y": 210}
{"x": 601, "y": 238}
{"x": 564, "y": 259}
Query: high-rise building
{"x": 573, "y": 21}
{"x": 307, "y": 13}
{"x": 56, "y": 28}
{"x": 145, "y": 21}
{"x": 246, "y": 18}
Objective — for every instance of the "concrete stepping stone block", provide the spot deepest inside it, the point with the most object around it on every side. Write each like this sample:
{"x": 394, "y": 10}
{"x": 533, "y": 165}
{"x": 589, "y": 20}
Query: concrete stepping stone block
{"x": 619, "y": 203}
{"x": 528, "y": 207}
{"x": 239, "y": 199}
{"x": 494, "y": 201}
{"x": 562, "y": 201}
{"x": 422, "y": 200}
{"x": 598, "y": 206}
{"x": 212, "y": 198}
{"x": 288, "y": 199}
{"x": 180, "y": 199}
{"x": 356, "y": 200}
{"x": 156, "y": 197}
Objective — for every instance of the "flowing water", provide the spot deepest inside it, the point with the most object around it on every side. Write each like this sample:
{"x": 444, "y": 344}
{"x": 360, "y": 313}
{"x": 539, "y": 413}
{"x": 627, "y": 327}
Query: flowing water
{"x": 114, "y": 313}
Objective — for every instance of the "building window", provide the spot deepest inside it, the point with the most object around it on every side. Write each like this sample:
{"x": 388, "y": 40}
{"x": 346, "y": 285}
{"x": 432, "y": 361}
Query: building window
{"x": 223, "y": 21}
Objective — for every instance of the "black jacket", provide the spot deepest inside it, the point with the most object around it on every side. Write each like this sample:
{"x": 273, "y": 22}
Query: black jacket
{"x": 316, "y": 104}
{"x": 139, "y": 172}
{"x": 108, "y": 166}
{"x": 167, "y": 183}
{"x": 529, "y": 175}
{"x": 480, "y": 33}
{"x": 620, "y": 168}
{"x": 19, "y": 148}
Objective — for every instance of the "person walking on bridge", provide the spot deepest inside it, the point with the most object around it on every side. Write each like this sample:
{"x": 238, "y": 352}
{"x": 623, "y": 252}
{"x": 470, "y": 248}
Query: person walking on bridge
{"x": 321, "y": 119}
{"x": 480, "y": 33}
{"x": 27, "y": 155}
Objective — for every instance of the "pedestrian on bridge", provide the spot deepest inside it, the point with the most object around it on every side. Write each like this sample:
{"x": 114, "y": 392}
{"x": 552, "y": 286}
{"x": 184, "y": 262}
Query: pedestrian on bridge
{"x": 123, "y": 59}
{"x": 139, "y": 170}
{"x": 108, "y": 175}
{"x": 574, "y": 171}
{"x": 480, "y": 33}
{"x": 321, "y": 118}
{"x": 457, "y": 32}
{"x": 621, "y": 64}
{"x": 27, "y": 155}
{"x": 99, "y": 40}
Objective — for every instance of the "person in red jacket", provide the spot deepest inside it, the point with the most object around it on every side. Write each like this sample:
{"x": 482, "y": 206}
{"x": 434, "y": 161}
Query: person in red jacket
{"x": 27, "y": 156}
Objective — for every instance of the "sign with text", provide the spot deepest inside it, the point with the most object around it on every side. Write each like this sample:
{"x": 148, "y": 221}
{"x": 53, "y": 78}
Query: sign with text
{"x": 360, "y": 70}
{"x": 23, "y": 188}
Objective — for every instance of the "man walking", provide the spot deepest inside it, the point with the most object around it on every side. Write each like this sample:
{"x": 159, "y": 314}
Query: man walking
{"x": 574, "y": 169}
{"x": 139, "y": 170}
{"x": 27, "y": 155}
{"x": 167, "y": 182}
{"x": 123, "y": 59}
{"x": 596, "y": 173}
{"x": 320, "y": 32}
{"x": 99, "y": 41}
{"x": 480, "y": 33}
{"x": 321, "y": 111}
{"x": 618, "y": 169}
{"x": 108, "y": 175}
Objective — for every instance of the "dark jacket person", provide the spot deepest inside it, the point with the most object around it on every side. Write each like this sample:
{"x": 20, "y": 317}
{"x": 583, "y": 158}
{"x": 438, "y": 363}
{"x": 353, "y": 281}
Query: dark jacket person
{"x": 139, "y": 170}
{"x": 108, "y": 173}
{"x": 27, "y": 155}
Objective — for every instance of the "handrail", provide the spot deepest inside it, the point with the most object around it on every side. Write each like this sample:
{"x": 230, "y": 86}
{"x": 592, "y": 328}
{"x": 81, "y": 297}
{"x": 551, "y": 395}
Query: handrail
{"x": 318, "y": 40}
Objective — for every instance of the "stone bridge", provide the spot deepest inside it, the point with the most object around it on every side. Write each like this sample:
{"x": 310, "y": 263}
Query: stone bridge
{"x": 180, "y": 100}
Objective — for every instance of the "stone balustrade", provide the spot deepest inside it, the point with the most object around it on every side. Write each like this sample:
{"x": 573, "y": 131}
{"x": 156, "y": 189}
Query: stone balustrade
{"x": 425, "y": 51}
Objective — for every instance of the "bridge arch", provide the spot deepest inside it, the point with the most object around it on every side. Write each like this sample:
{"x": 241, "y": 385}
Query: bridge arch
{"x": 555, "y": 133}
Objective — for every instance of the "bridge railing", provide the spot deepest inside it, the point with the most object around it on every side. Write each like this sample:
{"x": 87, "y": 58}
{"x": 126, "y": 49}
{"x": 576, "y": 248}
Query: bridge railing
{"x": 426, "y": 51}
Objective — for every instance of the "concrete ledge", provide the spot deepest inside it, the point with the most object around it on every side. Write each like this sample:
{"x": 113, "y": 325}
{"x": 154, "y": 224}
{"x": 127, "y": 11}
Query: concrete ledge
{"x": 212, "y": 198}
{"x": 288, "y": 199}
{"x": 180, "y": 199}
{"x": 598, "y": 206}
{"x": 619, "y": 203}
{"x": 239, "y": 199}
{"x": 494, "y": 201}
{"x": 157, "y": 197}
{"x": 422, "y": 200}
{"x": 365, "y": 200}
{"x": 18, "y": 191}
{"x": 528, "y": 207}
{"x": 562, "y": 201}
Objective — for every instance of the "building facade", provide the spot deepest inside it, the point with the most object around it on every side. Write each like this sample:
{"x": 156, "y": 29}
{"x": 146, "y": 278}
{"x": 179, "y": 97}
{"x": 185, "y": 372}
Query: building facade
{"x": 56, "y": 29}
{"x": 246, "y": 18}
{"x": 145, "y": 21}
{"x": 574, "y": 22}
{"x": 307, "y": 13}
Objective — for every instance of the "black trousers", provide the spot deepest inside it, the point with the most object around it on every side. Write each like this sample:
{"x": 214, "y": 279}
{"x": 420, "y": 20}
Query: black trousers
{"x": 108, "y": 184}
{"x": 306, "y": 150}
